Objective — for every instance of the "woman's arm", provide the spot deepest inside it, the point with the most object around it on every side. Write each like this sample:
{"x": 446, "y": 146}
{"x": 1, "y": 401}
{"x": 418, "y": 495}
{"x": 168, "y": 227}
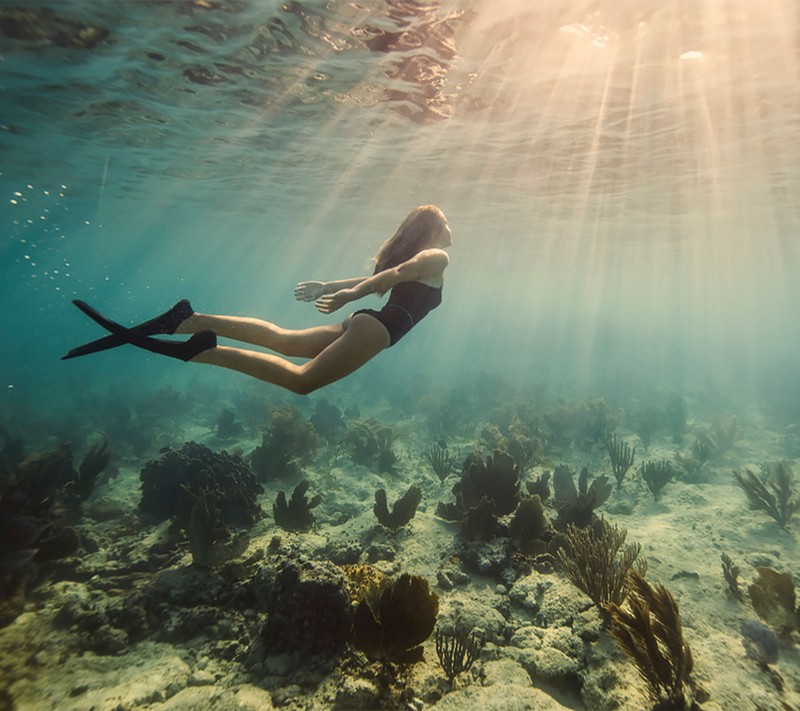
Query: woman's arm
{"x": 428, "y": 263}
{"x": 331, "y": 287}
{"x": 313, "y": 290}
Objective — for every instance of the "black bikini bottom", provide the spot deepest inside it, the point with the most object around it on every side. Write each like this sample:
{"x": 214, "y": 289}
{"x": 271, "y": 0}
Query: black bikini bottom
{"x": 396, "y": 320}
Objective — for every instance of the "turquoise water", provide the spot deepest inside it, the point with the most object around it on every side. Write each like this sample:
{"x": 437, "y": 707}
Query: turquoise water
{"x": 621, "y": 180}
{"x": 616, "y": 207}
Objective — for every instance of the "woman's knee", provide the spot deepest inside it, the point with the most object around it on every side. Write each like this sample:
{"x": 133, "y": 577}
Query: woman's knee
{"x": 305, "y": 388}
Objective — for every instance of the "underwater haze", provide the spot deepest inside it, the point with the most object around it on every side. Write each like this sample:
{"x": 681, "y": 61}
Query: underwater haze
{"x": 622, "y": 180}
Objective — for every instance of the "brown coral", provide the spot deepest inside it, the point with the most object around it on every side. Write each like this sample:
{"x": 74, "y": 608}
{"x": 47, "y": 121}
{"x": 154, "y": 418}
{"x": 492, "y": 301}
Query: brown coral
{"x": 650, "y": 633}
{"x": 392, "y": 619}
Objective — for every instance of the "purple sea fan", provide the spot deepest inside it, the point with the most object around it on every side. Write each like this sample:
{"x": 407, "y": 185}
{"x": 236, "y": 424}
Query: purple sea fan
{"x": 760, "y": 642}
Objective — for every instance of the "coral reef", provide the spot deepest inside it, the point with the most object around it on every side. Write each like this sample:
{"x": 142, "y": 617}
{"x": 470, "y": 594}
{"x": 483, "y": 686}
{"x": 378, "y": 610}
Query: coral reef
{"x": 228, "y": 427}
{"x": 370, "y": 444}
{"x": 457, "y": 650}
{"x": 295, "y": 515}
{"x": 583, "y": 424}
{"x": 529, "y": 527}
{"x": 11, "y": 454}
{"x": 308, "y": 609}
{"x": 18, "y": 535}
{"x": 730, "y": 572}
{"x": 701, "y": 451}
{"x": 479, "y": 522}
{"x": 289, "y": 443}
{"x": 496, "y": 479}
{"x": 657, "y": 474}
{"x": 577, "y": 505}
{"x": 646, "y": 423}
{"x": 403, "y": 509}
{"x": 773, "y": 597}
{"x": 93, "y": 464}
{"x": 676, "y": 416}
{"x": 724, "y": 433}
{"x": 52, "y": 473}
{"x": 534, "y": 582}
{"x": 328, "y": 420}
{"x": 211, "y": 543}
{"x": 650, "y": 633}
{"x": 391, "y": 620}
{"x": 595, "y": 561}
{"x": 171, "y": 483}
{"x": 440, "y": 460}
{"x": 777, "y": 497}
{"x": 540, "y": 486}
{"x": 39, "y": 508}
{"x": 621, "y": 455}
{"x": 515, "y": 439}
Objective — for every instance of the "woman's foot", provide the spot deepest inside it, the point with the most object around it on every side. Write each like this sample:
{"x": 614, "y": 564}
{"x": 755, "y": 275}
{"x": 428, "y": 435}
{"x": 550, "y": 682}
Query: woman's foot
{"x": 182, "y": 350}
{"x": 168, "y": 322}
{"x": 140, "y": 335}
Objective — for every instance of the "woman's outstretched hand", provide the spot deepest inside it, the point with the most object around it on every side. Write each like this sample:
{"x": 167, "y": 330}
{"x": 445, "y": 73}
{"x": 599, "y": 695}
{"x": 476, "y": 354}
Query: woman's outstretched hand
{"x": 332, "y": 302}
{"x": 309, "y": 290}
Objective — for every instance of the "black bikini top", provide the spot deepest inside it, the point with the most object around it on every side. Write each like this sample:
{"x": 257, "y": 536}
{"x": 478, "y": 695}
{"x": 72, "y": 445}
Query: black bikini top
{"x": 415, "y": 298}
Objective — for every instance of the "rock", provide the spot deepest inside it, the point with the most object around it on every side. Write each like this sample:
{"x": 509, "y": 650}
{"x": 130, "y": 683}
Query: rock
{"x": 104, "y": 508}
{"x": 381, "y": 551}
{"x": 489, "y": 558}
{"x": 308, "y": 610}
{"x": 342, "y": 552}
{"x": 475, "y": 613}
{"x": 550, "y": 654}
{"x": 357, "y": 694}
{"x": 202, "y": 677}
{"x": 507, "y": 687}
{"x": 146, "y": 674}
{"x": 763, "y": 560}
{"x": 239, "y": 698}
{"x": 452, "y": 574}
{"x": 554, "y": 602}
{"x": 286, "y": 694}
{"x": 109, "y": 640}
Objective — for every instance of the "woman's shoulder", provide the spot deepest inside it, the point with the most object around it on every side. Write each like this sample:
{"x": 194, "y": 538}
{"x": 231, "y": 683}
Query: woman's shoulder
{"x": 434, "y": 255}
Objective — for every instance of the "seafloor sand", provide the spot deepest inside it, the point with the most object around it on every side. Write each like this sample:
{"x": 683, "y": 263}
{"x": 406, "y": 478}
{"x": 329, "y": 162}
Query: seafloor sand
{"x": 546, "y": 646}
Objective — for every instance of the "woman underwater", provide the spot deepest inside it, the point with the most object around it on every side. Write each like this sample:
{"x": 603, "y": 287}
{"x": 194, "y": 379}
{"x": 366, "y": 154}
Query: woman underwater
{"x": 410, "y": 264}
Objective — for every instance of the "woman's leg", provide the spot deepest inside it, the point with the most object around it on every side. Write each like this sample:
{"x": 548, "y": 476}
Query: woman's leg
{"x": 362, "y": 340}
{"x": 304, "y": 343}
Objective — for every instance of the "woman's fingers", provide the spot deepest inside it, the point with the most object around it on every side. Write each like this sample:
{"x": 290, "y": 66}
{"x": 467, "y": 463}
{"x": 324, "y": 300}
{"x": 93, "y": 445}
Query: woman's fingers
{"x": 328, "y": 304}
{"x": 307, "y": 291}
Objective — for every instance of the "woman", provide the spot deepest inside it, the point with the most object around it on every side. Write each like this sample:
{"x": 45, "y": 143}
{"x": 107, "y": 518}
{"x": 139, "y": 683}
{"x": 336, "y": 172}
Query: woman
{"x": 410, "y": 264}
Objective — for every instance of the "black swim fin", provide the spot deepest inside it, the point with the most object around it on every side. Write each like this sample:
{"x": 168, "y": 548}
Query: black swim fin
{"x": 167, "y": 322}
{"x": 182, "y": 350}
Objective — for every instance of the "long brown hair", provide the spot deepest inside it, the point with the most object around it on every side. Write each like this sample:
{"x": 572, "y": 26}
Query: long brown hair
{"x": 413, "y": 235}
